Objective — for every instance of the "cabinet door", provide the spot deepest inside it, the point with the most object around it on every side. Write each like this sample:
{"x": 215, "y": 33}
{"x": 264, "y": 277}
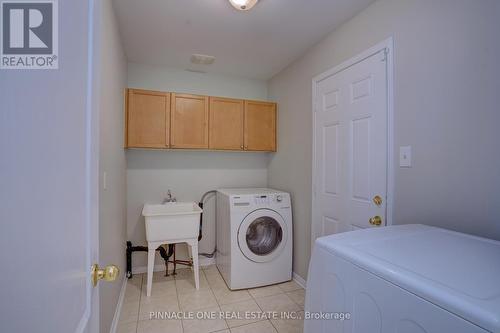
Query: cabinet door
{"x": 226, "y": 123}
{"x": 260, "y": 126}
{"x": 148, "y": 119}
{"x": 189, "y": 121}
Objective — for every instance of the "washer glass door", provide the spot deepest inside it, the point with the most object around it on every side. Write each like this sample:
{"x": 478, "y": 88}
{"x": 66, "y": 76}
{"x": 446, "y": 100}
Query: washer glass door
{"x": 262, "y": 235}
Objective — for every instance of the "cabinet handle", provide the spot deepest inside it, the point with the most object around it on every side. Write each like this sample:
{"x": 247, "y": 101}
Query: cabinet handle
{"x": 242, "y": 147}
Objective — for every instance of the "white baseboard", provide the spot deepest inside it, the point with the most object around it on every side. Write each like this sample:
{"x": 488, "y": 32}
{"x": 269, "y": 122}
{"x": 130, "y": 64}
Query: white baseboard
{"x": 203, "y": 261}
{"x": 116, "y": 317}
{"x": 144, "y": 269}
{"x": 300, "y": 281}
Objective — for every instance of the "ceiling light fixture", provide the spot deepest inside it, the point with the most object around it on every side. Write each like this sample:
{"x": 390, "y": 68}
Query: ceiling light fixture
{"x": 243, "y": 4}
{"x": 202, "y": 59}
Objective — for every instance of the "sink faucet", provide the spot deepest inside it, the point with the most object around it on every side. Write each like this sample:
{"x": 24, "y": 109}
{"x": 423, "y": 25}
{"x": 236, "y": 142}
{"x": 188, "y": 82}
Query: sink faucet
{"x": 169, "y": 198}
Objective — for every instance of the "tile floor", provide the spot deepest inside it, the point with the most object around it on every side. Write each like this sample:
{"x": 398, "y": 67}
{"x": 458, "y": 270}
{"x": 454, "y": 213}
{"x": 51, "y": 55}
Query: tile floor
{"x": 178, "y": 294}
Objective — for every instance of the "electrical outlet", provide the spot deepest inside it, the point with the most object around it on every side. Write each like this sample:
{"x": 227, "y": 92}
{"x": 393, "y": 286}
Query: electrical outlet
{"x": 405, "y": 156}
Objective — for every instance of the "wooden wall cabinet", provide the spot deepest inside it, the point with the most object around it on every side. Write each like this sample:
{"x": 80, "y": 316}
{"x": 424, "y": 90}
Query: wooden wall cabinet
{"x": 182, "y": 121}
{"x": 189, "y": 121}
{"x": 147, "y": 119}
{"x": 260, "y": 126}
{"x": 226, "y": 123}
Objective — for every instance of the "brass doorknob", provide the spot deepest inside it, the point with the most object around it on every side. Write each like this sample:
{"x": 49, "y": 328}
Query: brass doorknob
{"x": 108, "y": 273}
{"x": 376, "y": 220}
{"x": 377, "y": 200}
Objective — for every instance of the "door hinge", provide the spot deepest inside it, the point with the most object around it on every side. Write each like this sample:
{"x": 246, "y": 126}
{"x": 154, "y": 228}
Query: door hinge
{"x": 384, "y": 54}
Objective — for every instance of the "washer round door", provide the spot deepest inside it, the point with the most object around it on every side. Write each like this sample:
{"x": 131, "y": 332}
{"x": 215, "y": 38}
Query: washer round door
{"x": 262, "y": 235}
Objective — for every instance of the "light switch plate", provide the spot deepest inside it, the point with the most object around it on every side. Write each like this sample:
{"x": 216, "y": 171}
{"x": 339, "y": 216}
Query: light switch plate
{"x": 405, "y": 156}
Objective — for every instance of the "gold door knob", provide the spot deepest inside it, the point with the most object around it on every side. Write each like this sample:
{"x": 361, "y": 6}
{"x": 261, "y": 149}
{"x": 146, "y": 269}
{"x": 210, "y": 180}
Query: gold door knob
{"x": 376, "y": 220}
{"x": 377, "y": 200}
{"x": 108, "y": 273}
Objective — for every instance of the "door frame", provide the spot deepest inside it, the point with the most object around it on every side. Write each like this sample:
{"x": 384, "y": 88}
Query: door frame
{"x": 388, "y": 46}
{"x": 90, "y": 322}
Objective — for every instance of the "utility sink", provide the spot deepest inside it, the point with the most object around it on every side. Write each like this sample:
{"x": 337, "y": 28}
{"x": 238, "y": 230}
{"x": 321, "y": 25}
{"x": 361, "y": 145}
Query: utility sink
{"x": 171, "y": 221}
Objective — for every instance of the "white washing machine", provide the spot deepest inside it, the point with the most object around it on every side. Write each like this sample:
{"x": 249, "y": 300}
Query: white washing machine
{"x": 254, "y": 237}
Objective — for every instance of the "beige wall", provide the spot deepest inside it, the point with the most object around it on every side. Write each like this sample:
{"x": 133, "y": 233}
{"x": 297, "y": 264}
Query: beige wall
{"x": 112, "y": 201}
{"x": 165, "y": 78}
{"x": 188, "y": 174}
{"x": 447, "y": 99}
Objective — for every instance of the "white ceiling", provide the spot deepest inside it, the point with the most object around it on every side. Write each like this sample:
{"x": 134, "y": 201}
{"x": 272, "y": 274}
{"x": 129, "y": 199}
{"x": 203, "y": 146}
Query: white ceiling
{"x": 255, "y": 44}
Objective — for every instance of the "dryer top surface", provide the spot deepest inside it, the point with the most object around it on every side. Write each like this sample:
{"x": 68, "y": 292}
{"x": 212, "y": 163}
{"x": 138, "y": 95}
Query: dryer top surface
{"x": 456, "y": 271}
{"x": 248, "y": 191}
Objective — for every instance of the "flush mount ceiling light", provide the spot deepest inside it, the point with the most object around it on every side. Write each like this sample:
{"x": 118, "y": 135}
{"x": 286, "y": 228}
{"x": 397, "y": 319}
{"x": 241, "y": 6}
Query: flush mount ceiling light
{"x": 202, "y": 59}
{"x": 243, "y": 4}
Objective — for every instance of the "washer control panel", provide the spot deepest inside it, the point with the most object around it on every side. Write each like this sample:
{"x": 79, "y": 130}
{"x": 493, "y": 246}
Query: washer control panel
{"x": 268, "y": 199}
{"x": 262, "y": 199}
{"x": 279, "y": 200}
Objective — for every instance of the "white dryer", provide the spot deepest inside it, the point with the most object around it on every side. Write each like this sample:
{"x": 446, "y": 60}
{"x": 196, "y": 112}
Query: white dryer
{"x": 254, "y": 237}
{"x": 403, "y": 279}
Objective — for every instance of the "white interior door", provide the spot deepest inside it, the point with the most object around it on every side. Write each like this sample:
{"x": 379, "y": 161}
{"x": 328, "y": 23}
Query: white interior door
{"x": 350, "y": 147}
{"x": 48, "y": 187}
